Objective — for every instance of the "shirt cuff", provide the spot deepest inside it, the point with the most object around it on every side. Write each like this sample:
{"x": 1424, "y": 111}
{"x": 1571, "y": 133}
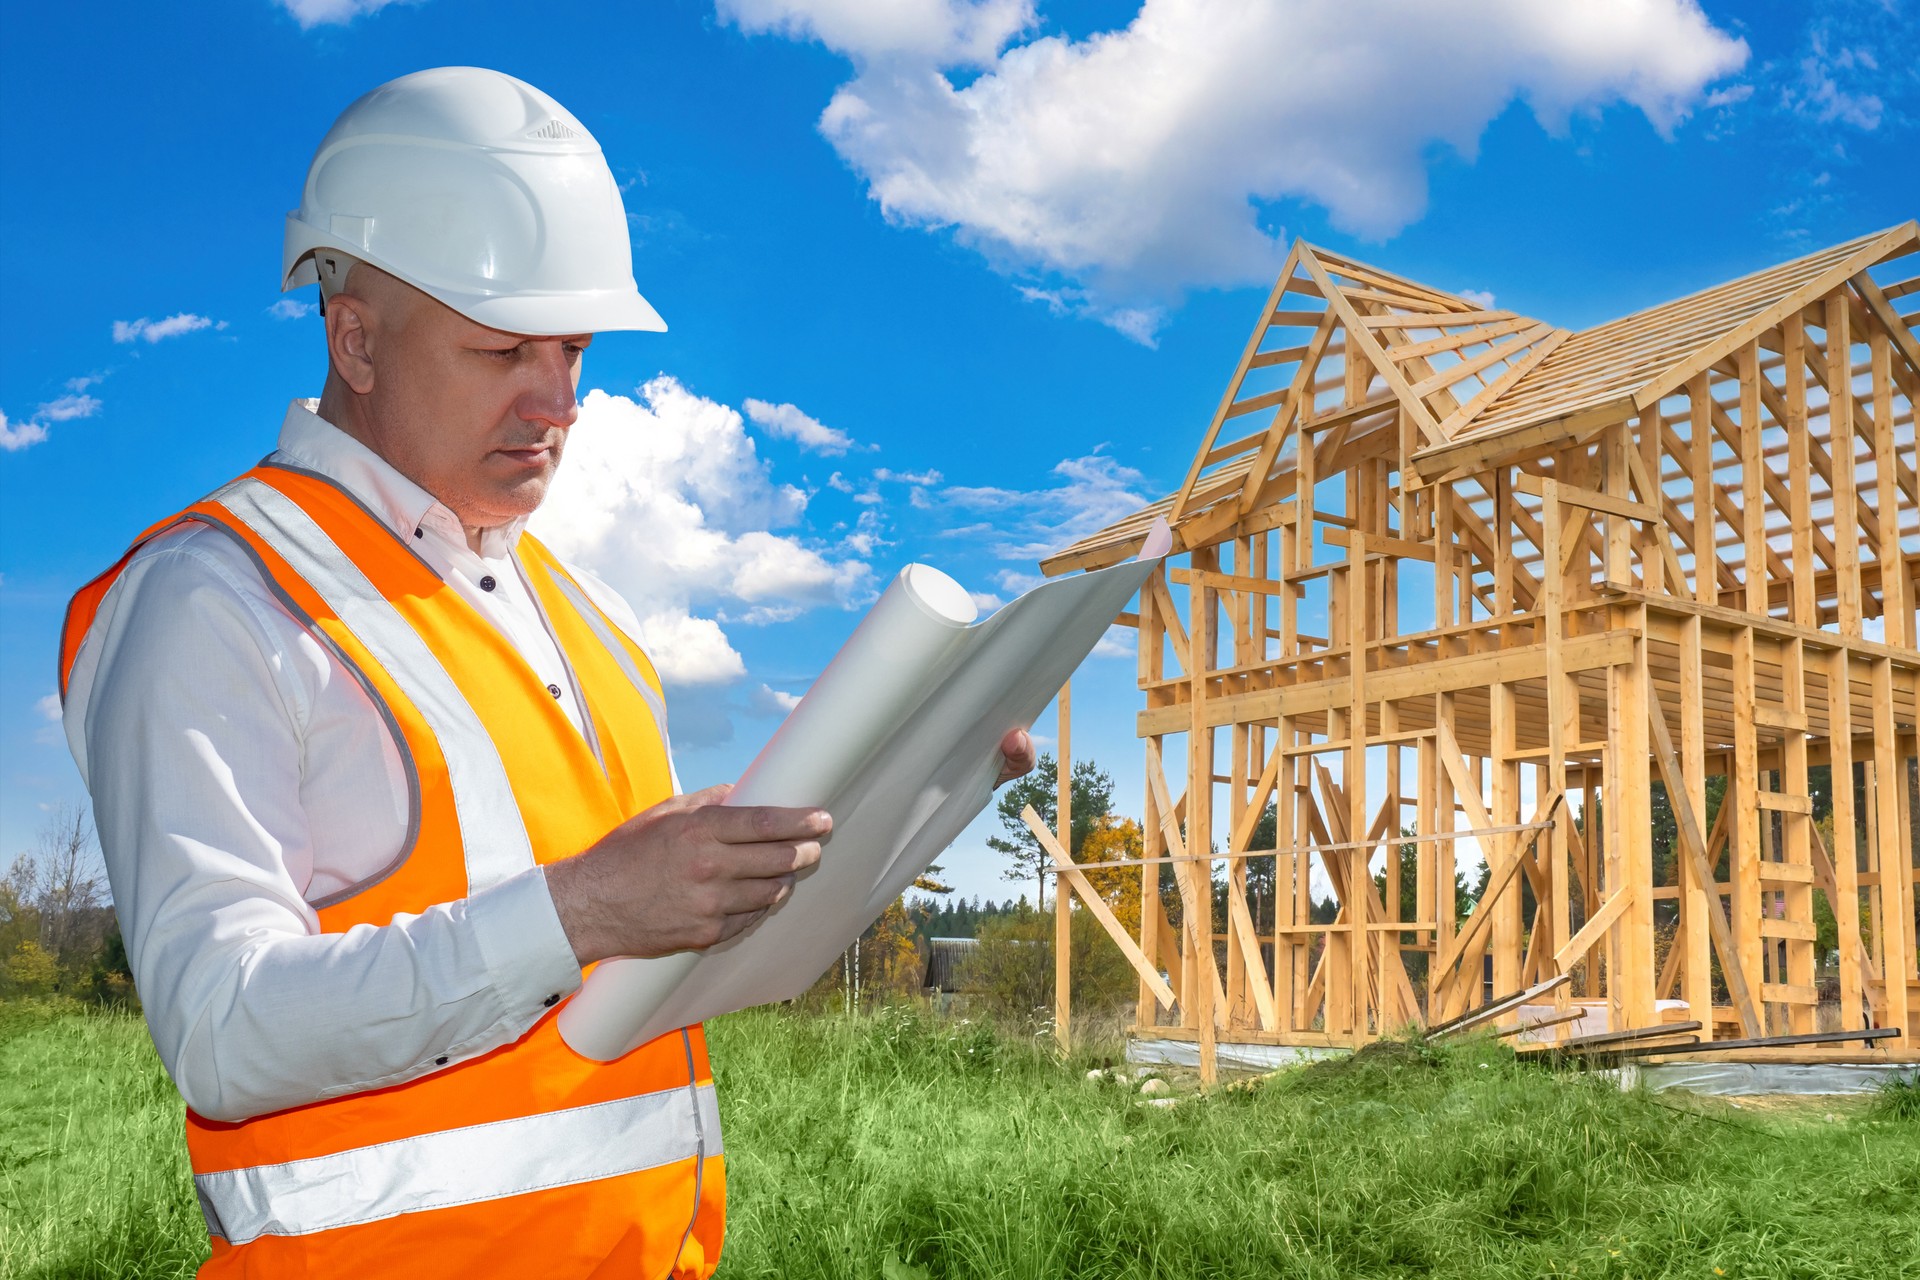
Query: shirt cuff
{"x": 530, "y": 961}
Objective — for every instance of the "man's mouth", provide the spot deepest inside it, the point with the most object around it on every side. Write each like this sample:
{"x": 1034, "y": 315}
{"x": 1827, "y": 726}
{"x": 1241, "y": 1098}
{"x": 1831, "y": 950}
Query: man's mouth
{"x": 530, "y": 455}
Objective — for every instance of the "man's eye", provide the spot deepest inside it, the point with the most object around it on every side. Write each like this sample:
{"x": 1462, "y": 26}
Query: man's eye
{"x": 574, "y": 351}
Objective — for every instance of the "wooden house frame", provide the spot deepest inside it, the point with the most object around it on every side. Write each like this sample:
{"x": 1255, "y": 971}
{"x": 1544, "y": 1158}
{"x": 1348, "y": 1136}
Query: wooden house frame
{"x": 1459, "y": 579}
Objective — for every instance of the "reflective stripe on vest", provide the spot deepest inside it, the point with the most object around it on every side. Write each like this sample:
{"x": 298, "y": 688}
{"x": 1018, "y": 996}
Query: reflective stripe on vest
{"x": 493, "y": 838}
{"x": 460, "y": 1166}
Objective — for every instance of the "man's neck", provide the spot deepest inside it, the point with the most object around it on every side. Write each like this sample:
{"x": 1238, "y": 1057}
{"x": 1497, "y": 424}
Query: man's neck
{"x": 339, "y": 407}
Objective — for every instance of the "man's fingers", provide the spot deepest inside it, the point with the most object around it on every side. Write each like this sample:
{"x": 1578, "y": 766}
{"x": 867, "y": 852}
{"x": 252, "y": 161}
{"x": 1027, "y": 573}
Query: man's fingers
{"x": 743, "y": 897}
{"x": 744, "y": 920}
{"x": 1016, "y": 756}
{"x": 724, "y": 864}
{"x": 765, "y": 861}
{"x": 761, "y": 824}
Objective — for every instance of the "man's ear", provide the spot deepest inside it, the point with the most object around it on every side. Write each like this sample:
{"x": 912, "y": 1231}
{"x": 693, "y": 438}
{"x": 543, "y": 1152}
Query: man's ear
{"x": 350, "y": 324}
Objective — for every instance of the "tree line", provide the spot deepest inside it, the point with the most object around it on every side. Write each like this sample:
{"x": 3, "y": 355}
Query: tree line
{"x": 58, "y": 934}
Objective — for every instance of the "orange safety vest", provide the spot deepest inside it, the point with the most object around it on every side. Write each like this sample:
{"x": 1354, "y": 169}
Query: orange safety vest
{"x": 530, "y": 1160}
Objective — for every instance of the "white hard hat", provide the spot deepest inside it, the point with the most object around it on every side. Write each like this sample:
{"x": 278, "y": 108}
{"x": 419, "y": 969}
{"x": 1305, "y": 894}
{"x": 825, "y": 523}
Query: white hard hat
{"x": 480, "y": 191}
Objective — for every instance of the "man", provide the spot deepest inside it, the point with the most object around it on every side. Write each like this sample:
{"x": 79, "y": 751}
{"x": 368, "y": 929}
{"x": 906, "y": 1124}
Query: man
{"x": 376, "y": 776}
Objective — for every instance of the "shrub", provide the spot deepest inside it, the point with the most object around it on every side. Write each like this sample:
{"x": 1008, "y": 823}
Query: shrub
{"x": 1012, "y": 971}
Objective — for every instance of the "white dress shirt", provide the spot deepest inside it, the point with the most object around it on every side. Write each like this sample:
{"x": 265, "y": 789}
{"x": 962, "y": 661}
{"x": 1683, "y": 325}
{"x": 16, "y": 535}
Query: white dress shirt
{"x": 239, "y": 773}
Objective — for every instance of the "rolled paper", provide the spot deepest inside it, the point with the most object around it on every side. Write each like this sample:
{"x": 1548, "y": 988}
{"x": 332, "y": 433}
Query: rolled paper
{"x": 899, "y": 740}
{"x": 871, "y": 686}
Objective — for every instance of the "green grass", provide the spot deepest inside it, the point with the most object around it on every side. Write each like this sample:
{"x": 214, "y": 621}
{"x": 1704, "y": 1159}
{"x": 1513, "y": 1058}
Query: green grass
{"x": 897, "y": 1147}
{"x": 93, "y": 1164}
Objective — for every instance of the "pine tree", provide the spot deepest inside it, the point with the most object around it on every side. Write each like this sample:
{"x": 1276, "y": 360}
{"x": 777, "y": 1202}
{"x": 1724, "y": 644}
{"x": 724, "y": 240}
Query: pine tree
{"x": 1092, "y": 795}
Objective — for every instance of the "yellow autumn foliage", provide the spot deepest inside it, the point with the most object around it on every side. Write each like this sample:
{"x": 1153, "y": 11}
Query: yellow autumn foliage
{"x": 1116, "y": 839}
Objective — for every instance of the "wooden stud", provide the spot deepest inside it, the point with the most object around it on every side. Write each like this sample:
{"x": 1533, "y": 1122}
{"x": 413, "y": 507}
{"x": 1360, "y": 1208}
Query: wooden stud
{"x": 1063, "y": 886}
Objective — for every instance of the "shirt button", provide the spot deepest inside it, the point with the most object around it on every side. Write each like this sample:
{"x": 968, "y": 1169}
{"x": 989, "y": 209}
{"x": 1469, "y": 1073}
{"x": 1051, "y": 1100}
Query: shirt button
{"x": 487, "y": 583}
{"x": 419, "y": 533}
{"x": 551, "y": 1000}
{"x": 553, "y": 689}
{"x": 439, "y": 1062}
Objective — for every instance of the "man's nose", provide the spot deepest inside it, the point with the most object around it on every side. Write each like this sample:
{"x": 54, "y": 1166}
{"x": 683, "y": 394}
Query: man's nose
{"x": 549, "y": 395}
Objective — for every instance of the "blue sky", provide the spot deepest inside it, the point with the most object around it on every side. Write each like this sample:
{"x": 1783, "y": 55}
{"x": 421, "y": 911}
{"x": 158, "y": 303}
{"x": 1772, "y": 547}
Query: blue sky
{"x": 946, "y": 281}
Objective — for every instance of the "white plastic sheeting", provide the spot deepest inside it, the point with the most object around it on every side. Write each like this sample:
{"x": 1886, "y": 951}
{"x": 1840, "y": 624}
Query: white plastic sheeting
{"x": 1735, "y": 1078}
{"x": 1258, "y": 1057}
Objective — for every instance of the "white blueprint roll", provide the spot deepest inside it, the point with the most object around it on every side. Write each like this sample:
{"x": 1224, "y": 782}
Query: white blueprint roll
{"x": 899, "y": 740}
{"x": 878, "y": 676}
{"x": 871, "y": 684}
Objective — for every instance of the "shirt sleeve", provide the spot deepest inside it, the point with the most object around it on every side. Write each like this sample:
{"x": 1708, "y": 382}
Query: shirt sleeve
{"x": 190, "y": 730}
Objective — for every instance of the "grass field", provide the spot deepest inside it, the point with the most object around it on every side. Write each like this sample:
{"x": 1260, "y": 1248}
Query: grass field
{"x": 894, "y": 1147}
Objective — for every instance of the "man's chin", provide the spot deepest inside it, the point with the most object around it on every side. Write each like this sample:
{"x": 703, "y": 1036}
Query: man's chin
{"x": 505, "y": 503}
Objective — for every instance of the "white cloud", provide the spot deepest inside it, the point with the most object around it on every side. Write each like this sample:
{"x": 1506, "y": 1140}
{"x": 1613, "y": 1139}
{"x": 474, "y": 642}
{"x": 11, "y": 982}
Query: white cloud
{"x": 907, "y": 477}
{"x": 314, "y": 13}
{"x": 1116, "y": 642}
{"x": 1136, "y": 163}
{"x": 786, "y": 422}
{"x": 1831, "y": 87}
{"x": 49, "y": 711}
{"x": 664, "y": 496}
{"x": 689, "y": 650}
{"x": 1480, "y": 298}
{"x": 1094, "y": 491}
{"x": 17, "y": 436}
{"x": 767, "y": 700}
{"x": 1016, "y": 583}
{"x": 160, "y": 330}
{"x": 945, "y": 32}
{"x": 291, "y": 309}
{"x": 76, "y": 404}
{"x": 69, "y": 407}
{"x": 866, "y": 535}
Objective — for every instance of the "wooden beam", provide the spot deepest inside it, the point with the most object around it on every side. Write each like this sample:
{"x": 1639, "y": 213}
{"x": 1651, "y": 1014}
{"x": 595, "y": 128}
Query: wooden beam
{"x": 1101, "y": 911}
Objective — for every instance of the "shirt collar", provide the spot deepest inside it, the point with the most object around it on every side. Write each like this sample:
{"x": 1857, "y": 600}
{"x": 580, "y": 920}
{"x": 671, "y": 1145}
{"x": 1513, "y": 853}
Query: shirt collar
{"x": 307, "y": 440}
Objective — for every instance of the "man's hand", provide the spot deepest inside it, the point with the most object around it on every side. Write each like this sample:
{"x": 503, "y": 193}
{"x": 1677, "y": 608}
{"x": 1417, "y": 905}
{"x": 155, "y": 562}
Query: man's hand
{"x": 1016, "y": 754}
{"x": 687, "y": 874}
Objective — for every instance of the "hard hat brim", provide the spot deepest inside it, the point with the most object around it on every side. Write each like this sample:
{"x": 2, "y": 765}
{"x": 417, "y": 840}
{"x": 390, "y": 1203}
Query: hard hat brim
{"x": 553, "y": 315}
{"x": 539, "y": 315}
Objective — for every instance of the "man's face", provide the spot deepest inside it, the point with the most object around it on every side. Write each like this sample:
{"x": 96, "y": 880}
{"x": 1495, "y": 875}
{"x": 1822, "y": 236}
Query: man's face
{"x": 475, "y": 416}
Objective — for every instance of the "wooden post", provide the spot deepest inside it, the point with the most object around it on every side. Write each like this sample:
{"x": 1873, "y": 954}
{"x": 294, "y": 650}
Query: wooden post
{"x": 1148, "y": 663}
{"x": 1846, "y": 519}
{"x": 1793, "y": 338}
{"x": 1631, "y": 755}
{"x": 1696, "y": 973}
{"x": 1359, "y": 881}
{"x": 1846, "y": 854}
{"x": 1893, "y": 860}
{"x": 1706, "y": 559}
{"x": 1896, "y": 599}
{"x": 1743, "y": 792}
{"x": 1062, "y": 887}
{"x": 1199, "y": 867}
{"x": 1753, "y": 515}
